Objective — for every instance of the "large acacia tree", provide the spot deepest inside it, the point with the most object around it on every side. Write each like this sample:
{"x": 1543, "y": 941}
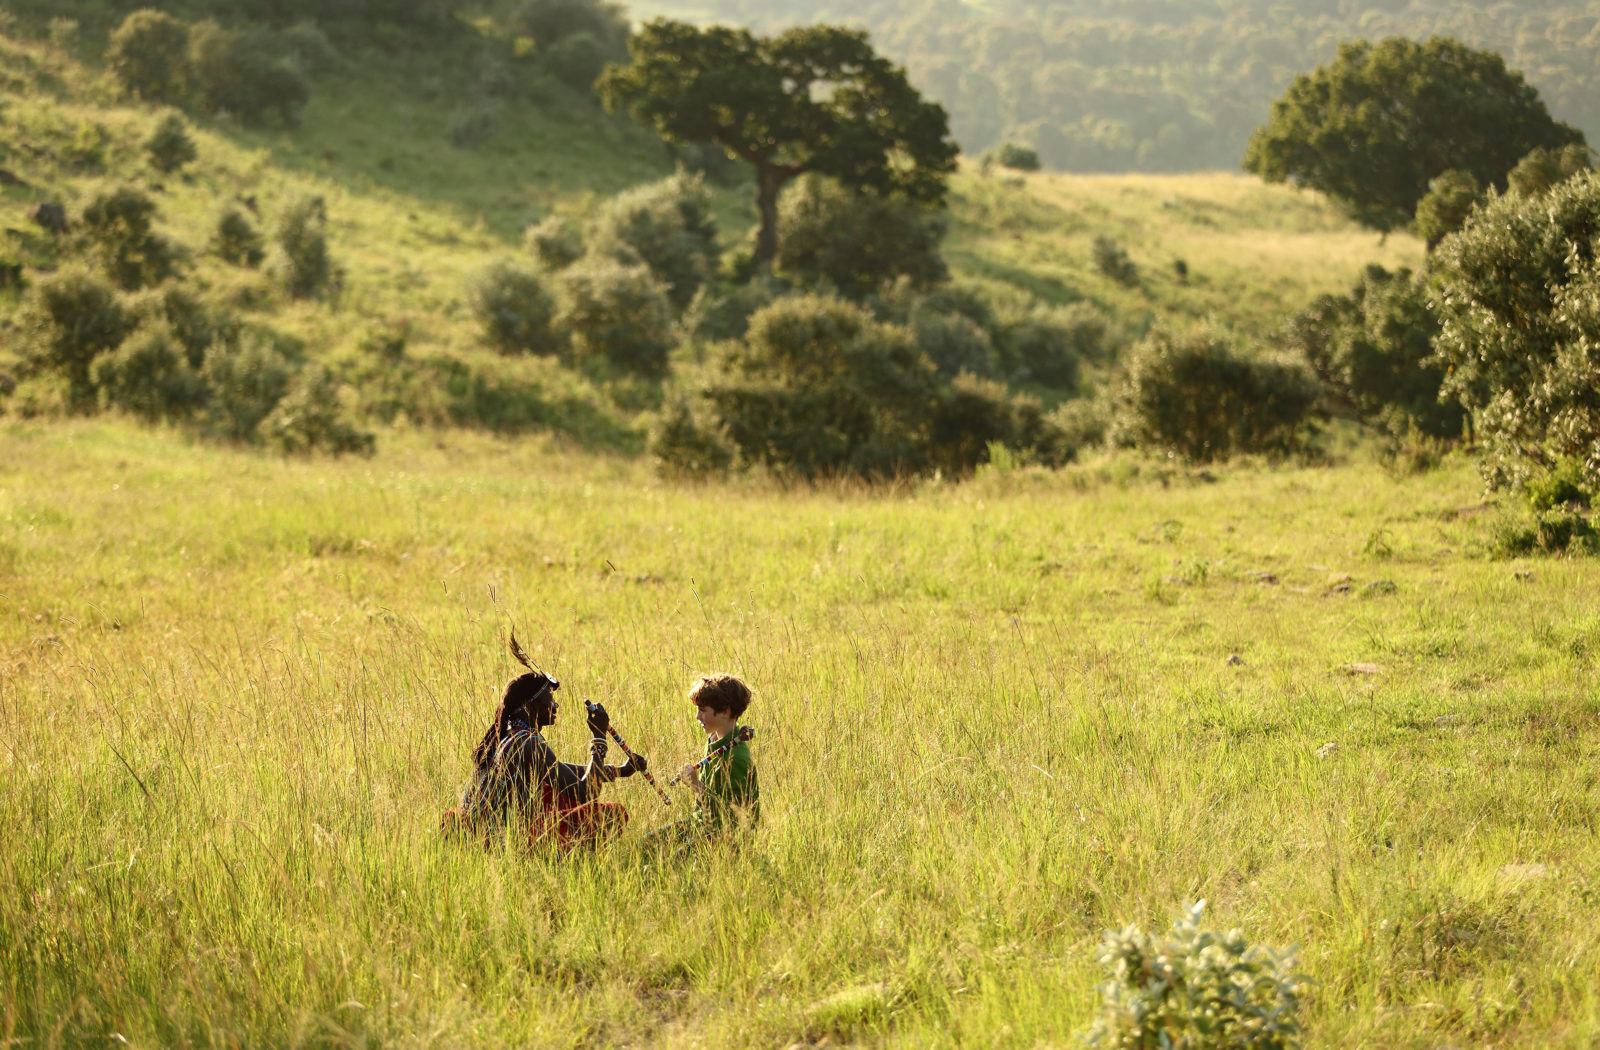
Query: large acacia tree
{"x": 812, "y": 99}
{"x": 1375, "y": 126}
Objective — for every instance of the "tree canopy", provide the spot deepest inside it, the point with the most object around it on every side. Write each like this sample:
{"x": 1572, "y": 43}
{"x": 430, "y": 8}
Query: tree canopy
{"x": 1373, "y": 128}
{"x": 812, "y": 99}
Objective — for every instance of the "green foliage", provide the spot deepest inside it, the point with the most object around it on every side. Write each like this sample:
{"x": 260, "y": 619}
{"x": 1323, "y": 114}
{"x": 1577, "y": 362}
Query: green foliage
{"x": 194, "y": 323}
{"x": 69, "y": 318}
{"x": 618, "y": 313}
{"x": 686, "y": 447}
{"x": 1373, "y": 128}
{"x": 819, "y": 387}
{"x": 236, "y": 240}
{"x": 1555, "y": 531}
{"x": 812, "y": 99}
{"x": 578, "y": 60}
{"x": 149, "y": 375}
{"x": 554, "y": 243}
{"x": 1543, "y": 169}
{"x": 514, "y": 309}
{"x": 310, "y": 417}
{"x": 1444, "y": 210}
{"x": 954, "y": 343}
{"x": 550, "y": 22}
{"x": 1517, "y": 293}
{"x": 1047, "y": 345}
{"x": 1112, "y": 260}
{"x": 63, "y": 34}
{"x": 1195, "y": 988}
{"x": 245, "y": 379}
{"x": 1017, "y": 158}
{"x": 856, "y": 241}
{"x": 245, "y": 74}
{"x": 1564, "y": 487}
{"x": 721, "y": 312}
{"x": 119, "y": 224}
{"x": 1373, "y": 350}
{"x": 668, "y": 226}
{"x": 1194, "y": 397}
{"x": 300, "y": 260}
{"x": 170, "y": 146}
{"x": 146, "y": 55}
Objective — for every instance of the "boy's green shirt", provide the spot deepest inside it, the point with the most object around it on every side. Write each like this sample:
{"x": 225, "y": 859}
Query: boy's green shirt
{"x": 730, "y": 780}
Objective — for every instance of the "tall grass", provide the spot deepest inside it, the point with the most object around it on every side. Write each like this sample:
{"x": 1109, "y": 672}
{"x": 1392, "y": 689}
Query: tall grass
{"x": 994, "y": 719}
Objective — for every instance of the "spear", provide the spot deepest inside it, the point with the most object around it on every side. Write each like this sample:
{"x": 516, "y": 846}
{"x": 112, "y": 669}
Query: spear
{"x": 611, "y": 729}
{"x": 742, "y": 735}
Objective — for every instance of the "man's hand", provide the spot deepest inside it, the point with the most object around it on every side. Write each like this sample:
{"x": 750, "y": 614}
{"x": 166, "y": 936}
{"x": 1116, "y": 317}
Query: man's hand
{"x": 599, "y": 721}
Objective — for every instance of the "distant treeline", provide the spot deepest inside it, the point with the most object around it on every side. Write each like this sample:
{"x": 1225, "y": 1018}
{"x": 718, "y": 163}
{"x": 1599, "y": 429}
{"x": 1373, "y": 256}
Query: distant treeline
{"x": 1168, "y": 85}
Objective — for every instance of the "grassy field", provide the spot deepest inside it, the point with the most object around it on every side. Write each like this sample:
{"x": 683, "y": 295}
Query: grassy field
{"x": 994, "y": 719}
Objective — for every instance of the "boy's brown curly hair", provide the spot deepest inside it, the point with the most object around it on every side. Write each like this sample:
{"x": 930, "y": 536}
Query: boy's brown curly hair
{"x": 720, "y": 692}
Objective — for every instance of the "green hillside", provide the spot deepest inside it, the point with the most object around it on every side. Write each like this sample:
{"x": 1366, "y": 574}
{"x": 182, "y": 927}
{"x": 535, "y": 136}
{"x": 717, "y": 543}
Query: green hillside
{"x": 412, "y": 218}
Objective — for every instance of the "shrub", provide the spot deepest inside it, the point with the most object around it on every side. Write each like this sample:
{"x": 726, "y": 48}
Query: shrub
{"x": 1442, "y": 211}
{"x": 554, "y": 243}
{"x": 578, "y": 60}
{"x": 1195, "y": 988}
{"x": 617, "y": 312}
{"x": 1112, "y": 260}
{"x": 309, "y": 48}
{"x": 194, "y": 324}
{"x": 1047, "y": 345}
{"x": 69, "y": 318}
{"x": 301, "y": 261}
{"x": 148, "y": 375}
{"x": 955, "y": 344}
{"x": 169, "y": 146}
{"x": 1517, "y": 294}
{"x": 245, "y": 75}
{"x": 819, "y": 386}
{"x": 1373, "y": 350}
{"x": 549, "y": 22}
{"x": 245, "y": 379}
{"x": 310, "y": 417}
{"x": 857, "y": 242}
{"x": 1553, "y": 531}
{"x": 1194, "y": 397}
{"x": 668, "y": 226}
{"x": 146, "y": 55}
{"x": 1564, "y": 487}
{"x": 1544, "y": 169}
{"x": 514, "y": 310}
{"x": 686, "y": 447}
{"x": 119, "y": 225}
{"x": 723, "y": 312}
{"x": 1017, "y": 158}
{"x": 236, "y": 240}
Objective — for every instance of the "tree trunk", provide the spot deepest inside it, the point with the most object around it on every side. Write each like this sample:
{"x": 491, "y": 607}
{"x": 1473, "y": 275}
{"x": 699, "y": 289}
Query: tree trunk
{"x": 768, "y": 182}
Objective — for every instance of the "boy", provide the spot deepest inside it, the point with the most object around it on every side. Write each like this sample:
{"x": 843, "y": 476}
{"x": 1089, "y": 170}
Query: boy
{"x": 726, "y": 788}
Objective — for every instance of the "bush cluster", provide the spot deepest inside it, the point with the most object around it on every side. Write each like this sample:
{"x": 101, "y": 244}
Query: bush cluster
{"x": 574, "y": 38}
{"x": 1112, "y": 260}
{"x": 165, "y": 355}
{"x": 170, "y": 146}
{"x": 820, "y": 387}
{"x": 668, "y": 227}
{"x": 252, "y": 75}
{"x": 1517, "y": 295}
{"x": 1373, "y": 351}
{"x": 1196, "y": 398}
{"x": 855, "y": 243}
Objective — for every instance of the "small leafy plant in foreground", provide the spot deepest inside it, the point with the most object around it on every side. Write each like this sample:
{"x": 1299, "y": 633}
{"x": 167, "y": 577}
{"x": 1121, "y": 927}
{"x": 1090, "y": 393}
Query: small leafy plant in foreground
{"x": 1196, "y": 989}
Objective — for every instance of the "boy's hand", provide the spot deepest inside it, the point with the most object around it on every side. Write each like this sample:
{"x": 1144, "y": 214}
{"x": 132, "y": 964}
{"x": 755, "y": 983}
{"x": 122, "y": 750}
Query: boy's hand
{"x": 634, "y": 764}
{"x": 599, "y": 721}
{"x": 691, "y": 773}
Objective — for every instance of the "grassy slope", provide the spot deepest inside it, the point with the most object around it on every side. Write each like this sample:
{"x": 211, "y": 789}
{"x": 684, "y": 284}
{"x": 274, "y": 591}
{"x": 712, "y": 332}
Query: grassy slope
{"x": 413, "y": 217}
{"x": 994, "y": 719}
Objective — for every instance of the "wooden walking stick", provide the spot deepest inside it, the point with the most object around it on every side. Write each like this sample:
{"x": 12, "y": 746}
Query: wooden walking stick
{"x": 612, "y": 730}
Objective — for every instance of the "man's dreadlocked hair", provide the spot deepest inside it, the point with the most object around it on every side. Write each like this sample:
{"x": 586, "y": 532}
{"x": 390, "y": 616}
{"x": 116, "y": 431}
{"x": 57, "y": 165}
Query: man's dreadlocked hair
{"x": 524, "y": 695}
